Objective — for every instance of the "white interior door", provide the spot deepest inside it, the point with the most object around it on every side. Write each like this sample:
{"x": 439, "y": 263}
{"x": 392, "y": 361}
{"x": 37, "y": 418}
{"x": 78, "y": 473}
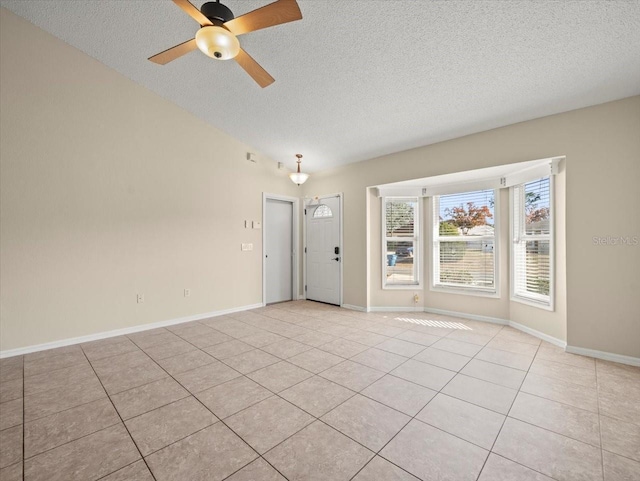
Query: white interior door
{"x": 324, "y": 252}
{"x": 278, "y": 250}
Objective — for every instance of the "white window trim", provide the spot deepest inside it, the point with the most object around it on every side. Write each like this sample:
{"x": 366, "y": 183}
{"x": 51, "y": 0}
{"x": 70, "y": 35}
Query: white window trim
{"x": 468, "y": 291}
{"x": 417, "y": 252}
{"x": 531, "y": 300}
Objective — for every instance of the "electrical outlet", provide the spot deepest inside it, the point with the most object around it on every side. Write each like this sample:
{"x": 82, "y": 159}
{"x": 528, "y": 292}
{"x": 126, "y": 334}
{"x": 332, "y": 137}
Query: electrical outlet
{"x": 246, "y": 247}
{"x": 187, "y": 292}
{"x": 416, "y": 298}
{"x": 140, "y": 298}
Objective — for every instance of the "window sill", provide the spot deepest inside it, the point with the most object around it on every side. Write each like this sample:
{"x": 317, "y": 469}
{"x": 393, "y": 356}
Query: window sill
{"x": 465, "y": 291}
{"x": 546, "y": 305}
{"x": 401, "y": 287}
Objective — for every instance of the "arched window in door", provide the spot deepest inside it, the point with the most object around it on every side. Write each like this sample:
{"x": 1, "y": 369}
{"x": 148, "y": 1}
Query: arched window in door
{"x": 322, "y": 211}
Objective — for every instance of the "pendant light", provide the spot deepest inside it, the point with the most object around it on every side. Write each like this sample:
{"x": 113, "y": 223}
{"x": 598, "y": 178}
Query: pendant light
{"x": 298, "y": 177}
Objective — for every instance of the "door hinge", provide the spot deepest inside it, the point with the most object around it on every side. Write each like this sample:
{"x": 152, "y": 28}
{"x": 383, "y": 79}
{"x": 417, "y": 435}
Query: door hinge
{"x": 305, "y": 288}
{"x": 305, "y": 212}
{"x": 305, "y": 250}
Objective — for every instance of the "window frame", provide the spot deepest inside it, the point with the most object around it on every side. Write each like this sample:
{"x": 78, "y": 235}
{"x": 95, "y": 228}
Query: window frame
{"x": 417, "y": 239}
{"x": 532, "y": 299}
{"x": 434, "y": 284}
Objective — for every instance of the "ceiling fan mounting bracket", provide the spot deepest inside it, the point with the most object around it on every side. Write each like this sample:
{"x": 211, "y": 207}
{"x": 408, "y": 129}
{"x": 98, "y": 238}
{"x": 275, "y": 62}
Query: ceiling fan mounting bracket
{"x": 217, "y": 12}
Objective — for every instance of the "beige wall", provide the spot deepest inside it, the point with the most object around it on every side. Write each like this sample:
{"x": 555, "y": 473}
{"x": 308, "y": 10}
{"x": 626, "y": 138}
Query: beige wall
{"x": 601, "y": 177}
{"x": 109, "y": 191}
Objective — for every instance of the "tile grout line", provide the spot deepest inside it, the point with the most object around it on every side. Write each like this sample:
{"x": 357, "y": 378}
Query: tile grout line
{"x": 414, "y": 418}
{"x": 621, "y": 456}
{"x": 524, "y": 466}
{"x": 507, "y": 416}
{"x": 355, "y": 393}
{"x": 555, "y": 401}
{"x": 554, "y": 432}
{"x": 123, "y": 467}
{"x": 68, "y": 409}
{"x": 203, "y": 405}
{"x": 121, "y": 420}
{"x": 560, "y": 380}
{"x": 48, "y": 372}
{"x": 221, "y": 421}
{"x": 69, "y": 442}
{"x": 504, "y": 422}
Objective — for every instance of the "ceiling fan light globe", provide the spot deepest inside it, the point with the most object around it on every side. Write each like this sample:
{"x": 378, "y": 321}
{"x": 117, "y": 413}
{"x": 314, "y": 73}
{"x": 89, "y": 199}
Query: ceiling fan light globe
{"x": 298, "y": 177}
{"x": 217, "y": 42}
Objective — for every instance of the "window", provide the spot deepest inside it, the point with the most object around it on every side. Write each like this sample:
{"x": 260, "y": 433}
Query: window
{"x": 400, "y": 241}
{"x": 464, "y": 241}
{"x": 532, "y": 242}
{"x": 322, "y": 211}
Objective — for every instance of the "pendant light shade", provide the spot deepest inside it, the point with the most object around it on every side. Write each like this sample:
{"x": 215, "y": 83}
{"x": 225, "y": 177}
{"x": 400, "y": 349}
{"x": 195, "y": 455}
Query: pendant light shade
{"x": 298, "y": 177}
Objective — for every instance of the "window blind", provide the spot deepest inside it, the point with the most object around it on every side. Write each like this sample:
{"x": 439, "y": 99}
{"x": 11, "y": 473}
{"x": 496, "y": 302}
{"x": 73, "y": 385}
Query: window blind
{"x": 400, "y": 241}
{"x": 464, "y": 240}
{"x": 532, "y": 241}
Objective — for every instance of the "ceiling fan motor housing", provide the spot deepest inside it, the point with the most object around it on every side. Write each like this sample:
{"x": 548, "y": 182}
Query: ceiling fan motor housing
{"x": 215, "y": 11}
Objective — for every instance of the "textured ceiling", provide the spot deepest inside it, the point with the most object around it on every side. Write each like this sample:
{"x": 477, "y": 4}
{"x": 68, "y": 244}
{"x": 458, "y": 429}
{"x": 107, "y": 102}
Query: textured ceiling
{"x": 356, "y": 79}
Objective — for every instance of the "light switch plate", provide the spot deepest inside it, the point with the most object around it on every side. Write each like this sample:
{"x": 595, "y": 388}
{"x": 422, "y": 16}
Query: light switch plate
{"x": 247, "y": 247}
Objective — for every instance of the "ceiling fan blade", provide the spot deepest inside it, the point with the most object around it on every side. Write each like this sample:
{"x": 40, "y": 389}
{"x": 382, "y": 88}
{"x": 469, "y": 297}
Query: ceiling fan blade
{"x": 193, "y": 12}
{"x": 173, "y": 53}
{"x": 281, "y": 11}
{"x": 253, "y": 68}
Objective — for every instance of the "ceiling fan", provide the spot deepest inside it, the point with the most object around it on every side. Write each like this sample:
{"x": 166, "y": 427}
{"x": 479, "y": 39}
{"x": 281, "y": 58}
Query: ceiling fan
{"x": 219, "y": 28}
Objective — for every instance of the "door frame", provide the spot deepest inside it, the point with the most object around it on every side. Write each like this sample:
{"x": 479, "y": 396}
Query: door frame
{"x": 306, "y": 202}
{"x": 295, "y": 231}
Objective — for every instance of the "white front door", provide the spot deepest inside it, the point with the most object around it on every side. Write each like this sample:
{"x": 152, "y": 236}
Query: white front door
{"x": 278, "y": 250}
{"x": 324, "y": 252}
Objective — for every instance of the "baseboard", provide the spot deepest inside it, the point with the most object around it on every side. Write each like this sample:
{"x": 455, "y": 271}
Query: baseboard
{"x": 606, "y": 356}
{"x": 540, "y": 335}
{"x": 396, "y": 309}
{"x": 464, "y": 315}
{"x": 119, "y": 332}
{"x": 351, "y": 307}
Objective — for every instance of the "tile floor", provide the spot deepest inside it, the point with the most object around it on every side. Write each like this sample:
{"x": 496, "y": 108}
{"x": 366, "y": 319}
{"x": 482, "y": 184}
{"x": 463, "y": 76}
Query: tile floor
{"x": 305, "y": 391}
